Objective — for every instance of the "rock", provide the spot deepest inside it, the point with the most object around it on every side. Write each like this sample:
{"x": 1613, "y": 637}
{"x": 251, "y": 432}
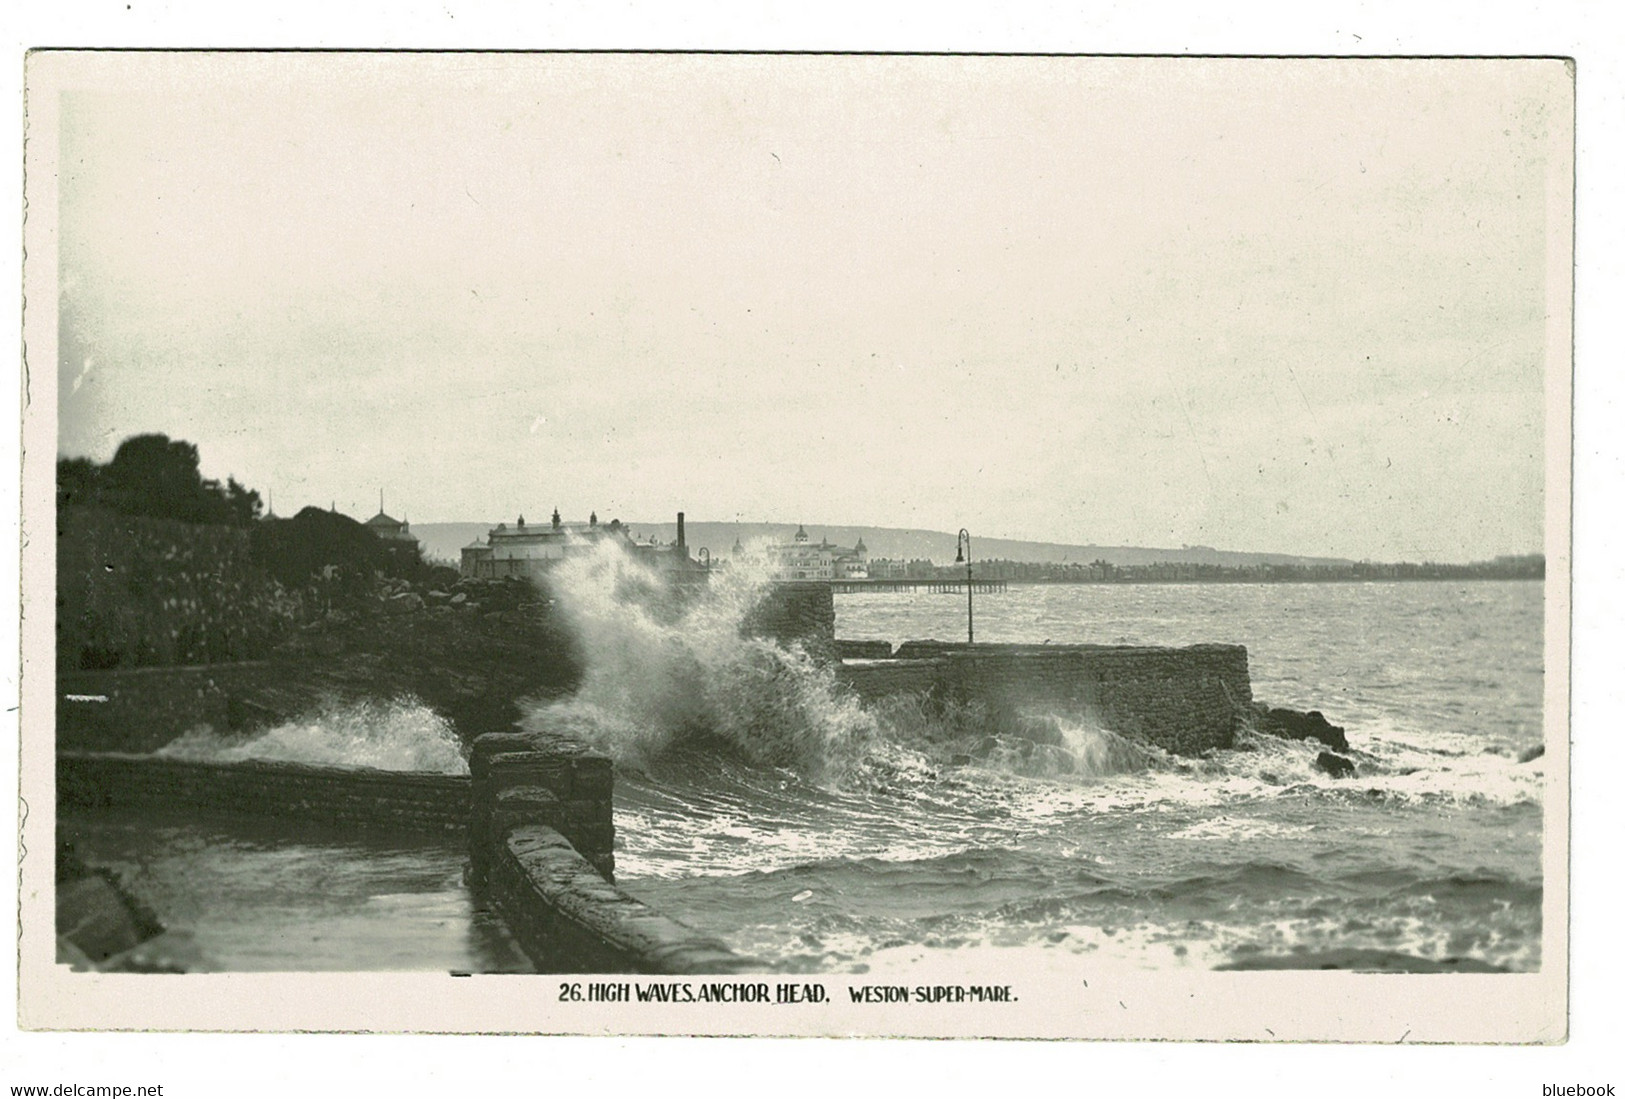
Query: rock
{"x": 459, "y": 599}
{"x": 437, "y": 596}
{"x": 96, "y": 917}
{"x": 960, "y": 759}
{"x": 1335, "y": 765}
{"x": 1531, "y": 753}
{"x": 1293, "y": 725}
{"x": 404, "y": 603}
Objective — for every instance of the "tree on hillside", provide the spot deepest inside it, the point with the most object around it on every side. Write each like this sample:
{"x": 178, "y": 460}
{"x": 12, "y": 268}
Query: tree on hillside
{"x": 157, "y": 476}
{"x": 238, "y": 504}
{"x": 154, "y": 475}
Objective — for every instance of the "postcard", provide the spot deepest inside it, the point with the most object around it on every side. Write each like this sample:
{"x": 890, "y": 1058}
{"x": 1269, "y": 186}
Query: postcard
{"x": 797, "y": 544}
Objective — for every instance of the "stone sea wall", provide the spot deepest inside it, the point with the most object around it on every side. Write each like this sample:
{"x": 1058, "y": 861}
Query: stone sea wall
{"x": 569, "y": 919}
{"x": 1184, "y": 700}
{"x": 541, "y": 779}
{"x": 141, "y": 709}
{"x": 538, "y": 811}
{"x": 541, "y": 850}
{"x": 290, "y": 792}
{"x": 470, "y": 661}
{"x": 798, "y": 613}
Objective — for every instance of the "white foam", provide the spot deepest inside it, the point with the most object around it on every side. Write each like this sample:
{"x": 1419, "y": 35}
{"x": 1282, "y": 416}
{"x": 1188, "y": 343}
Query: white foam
{"x": 659, "y": 674}
{"x": 399, "y": 735}
{"x": 1409, "y": 765}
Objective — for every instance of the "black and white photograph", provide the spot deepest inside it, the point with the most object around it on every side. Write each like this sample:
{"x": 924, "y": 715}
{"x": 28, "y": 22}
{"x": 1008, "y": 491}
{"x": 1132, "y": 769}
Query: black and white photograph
{"x": 798, "y": 543}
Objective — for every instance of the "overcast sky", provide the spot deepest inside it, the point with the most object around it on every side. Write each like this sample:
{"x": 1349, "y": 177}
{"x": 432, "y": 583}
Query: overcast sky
{"x": 1274, "y": 306}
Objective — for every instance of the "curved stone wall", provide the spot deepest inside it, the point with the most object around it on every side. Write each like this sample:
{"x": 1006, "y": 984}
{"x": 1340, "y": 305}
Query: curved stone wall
{"x": 569, "y": 919}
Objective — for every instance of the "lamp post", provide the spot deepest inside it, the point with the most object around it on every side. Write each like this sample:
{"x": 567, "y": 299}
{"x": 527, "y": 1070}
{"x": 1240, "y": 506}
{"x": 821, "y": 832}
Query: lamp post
{"x": 963, "y": 557}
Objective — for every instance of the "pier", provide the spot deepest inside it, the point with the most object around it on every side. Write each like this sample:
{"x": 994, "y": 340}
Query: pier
{"x": 848, "y": 587}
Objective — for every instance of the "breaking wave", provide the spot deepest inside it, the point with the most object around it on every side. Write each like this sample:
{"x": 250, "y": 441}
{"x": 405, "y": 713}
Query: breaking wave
{"x": 666, "y": 672}
{"x": 399, "y": 735}
{"x": 671, "y": 678}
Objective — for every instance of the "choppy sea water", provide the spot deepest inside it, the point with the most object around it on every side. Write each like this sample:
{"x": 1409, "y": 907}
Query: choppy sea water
{"x": 756, "y": 802}
{"x": 1430, "y": 856}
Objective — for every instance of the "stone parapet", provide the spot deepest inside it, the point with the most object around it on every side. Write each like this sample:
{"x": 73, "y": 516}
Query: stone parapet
{"x": 546, "y": 779}
{"x": 541, "y": 849}
{"x": 569, "y": 918}
{"x": 862, "y": 650}
{"x": 296, "y": 793}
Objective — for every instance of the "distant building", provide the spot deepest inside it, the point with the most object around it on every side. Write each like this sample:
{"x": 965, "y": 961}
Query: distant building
{"x": 532, "y": 550}
{"x": 883, "y": 568}
{"x": 395, "y": 534}
{"x": 852, "y": 564}
{"x": 803, "y": 559}
{"x": 391, "y": 530}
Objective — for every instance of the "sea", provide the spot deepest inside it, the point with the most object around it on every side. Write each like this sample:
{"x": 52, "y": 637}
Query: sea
{"x": 1429, "y": 858}
{"x": 759, "y": 803}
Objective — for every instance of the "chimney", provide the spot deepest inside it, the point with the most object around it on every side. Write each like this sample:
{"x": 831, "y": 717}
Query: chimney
{"x": 682, "y": 540}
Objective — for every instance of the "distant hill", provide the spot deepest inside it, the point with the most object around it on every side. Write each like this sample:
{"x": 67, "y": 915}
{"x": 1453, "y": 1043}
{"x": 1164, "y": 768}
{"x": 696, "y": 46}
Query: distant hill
{"x": 446, "y": 540}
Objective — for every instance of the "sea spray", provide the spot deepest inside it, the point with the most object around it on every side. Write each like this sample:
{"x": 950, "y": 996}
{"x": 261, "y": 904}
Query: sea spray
{"x": 668, "y": 676}
{"x": 398, "y": 735}
{"x": 1097, "y": 752}
{"x": 1055, "y": 747}
{"x": 667, "y": 671}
